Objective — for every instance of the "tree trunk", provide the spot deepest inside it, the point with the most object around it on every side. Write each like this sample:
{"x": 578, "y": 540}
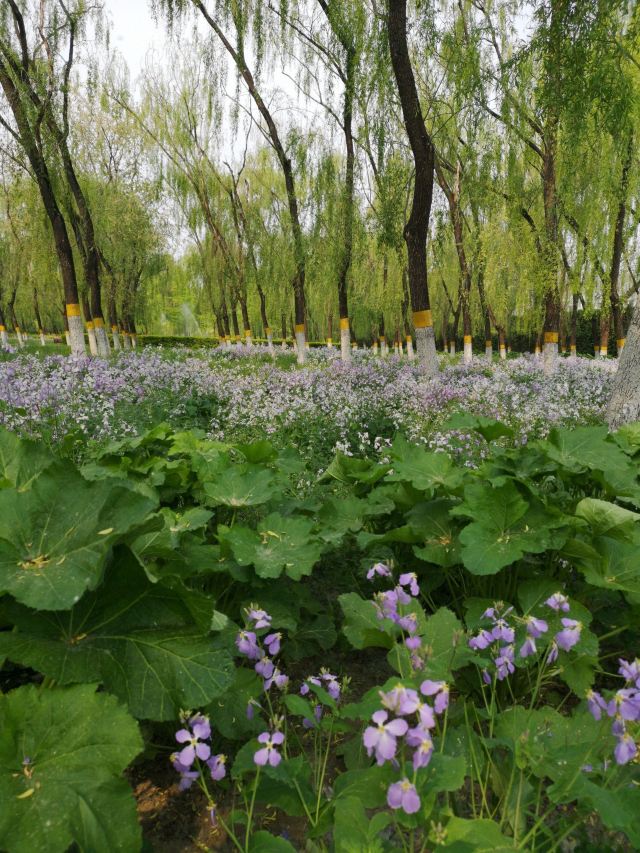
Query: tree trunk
{"x": 624, "y": 404}
{"x": 62, "y": 243}
{"x": 574, "y": 325}
{"x": 237, "y": 55}
{"x": 415, "y": 231}
{"x": 618, "y": 246}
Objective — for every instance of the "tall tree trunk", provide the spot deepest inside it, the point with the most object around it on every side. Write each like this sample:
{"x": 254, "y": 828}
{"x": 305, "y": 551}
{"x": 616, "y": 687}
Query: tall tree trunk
{"x": 416, "y": 228}
{"x": 36, "y": 311}
{"x": 624, "y": 403}
{"x": 286, "y": 165}
{"x": 618, "y": 245}
{"x": 552, "y": 299}
{"x": 61, "y": 240}
{"x": 575, "y": 300}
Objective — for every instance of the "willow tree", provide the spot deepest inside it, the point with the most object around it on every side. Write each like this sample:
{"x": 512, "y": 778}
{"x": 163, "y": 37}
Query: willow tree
{"x": 417, "y": 226}
{"x": 20, "y": 78}
{"x": 237, "y": 15}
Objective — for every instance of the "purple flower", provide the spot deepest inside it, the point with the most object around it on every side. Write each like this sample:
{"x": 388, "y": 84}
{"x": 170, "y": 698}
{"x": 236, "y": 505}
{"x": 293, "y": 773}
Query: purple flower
{"x": 408, "y": 623}
{"x": 201, "y": 730}
{"x": 265, "y": 667}
{"x": 626, "y": 703}
{"x": 278, "y": 678}
{"x": 426, "y": 716}
{"x": 552, "y": 657}
{"x": 489, "y": 613}
{"x": 413, "y": 643}
{"x": 618, "y": 727}
{"x": 570, "y": 634}
{"x": 410, "y": 579}
{"x": 630, "y": 671}
{"x": 247, "y": 645}
{"x": 332, "y": 685}
{"x": 536, "y": 627}
{"x": 403, "y": 795}
{"x": 558, "y": 602}
{"x": 380, "y": 570}
{"x": 317, "y": 714}
{"x": 187, "y": 776}
{"x": 217, "y": 766}
{"x": 481, "y": 641}
{"x": 503, "y": 631}
{"x": 401, "y": 700}
{"x": 423, "y": 752}
{"x": 387, "y": 604}
{"x": 269, "y": 754}
{"x": 528, "y": 648}
{"x": 504, "y": 663}
{"x": 401, "y": 595}
{"x": 625, "y": 750}
{"x": 596, "y": 704}
{"x": 486, "y": 677}
{"x": 381, "y": 738}
{"x": 439, "y": 689}
{"x": 304, "y": 690}
{"x": 260, "y": 618}
{"x": 272, "y": 642}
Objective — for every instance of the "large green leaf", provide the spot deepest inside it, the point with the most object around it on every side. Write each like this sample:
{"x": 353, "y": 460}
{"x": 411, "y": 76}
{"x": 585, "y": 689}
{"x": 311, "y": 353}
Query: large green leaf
{"x": 280, "y": 544}
{"x": 240, "y": 486}
{"x": 475, "y": 836}
{"x": 426, "y": 471}
{"x": 352, "y": 829}
{"x": 362, "y": 626}
{"x": 607, "y": 562}
{"x": 432, "y": 521}
{"x": 139, "y": 639}
{"x": 504, "y": 527}
{"x": 54, "y": 538}
{"x": 606, "y": 517}
{"x": 21, "y": 460}
{"x": 76, "y": 743}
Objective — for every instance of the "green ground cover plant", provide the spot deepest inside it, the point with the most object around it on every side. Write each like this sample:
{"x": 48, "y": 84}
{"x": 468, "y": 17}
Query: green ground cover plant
{"x": 198, "y": 587}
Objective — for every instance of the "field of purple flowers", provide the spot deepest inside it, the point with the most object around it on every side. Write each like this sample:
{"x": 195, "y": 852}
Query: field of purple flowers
{"x": 244, "y": 395}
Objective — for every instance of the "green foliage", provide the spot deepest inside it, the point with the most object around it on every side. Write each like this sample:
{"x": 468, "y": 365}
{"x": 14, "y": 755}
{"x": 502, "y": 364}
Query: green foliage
{"x": 62, "y": 753}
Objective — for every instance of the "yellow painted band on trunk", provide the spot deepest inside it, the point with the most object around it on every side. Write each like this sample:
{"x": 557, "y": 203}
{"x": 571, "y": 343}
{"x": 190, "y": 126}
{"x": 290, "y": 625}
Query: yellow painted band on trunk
{"x": 329, "y": 340}
{"x": 73, "y": 309}
{"x": 502, "y": 346}
{"x": 551, "y": 337}
{"x": 488, "y": 343}
{"x": 267, "y": 331}
{"x": 604, "y": 350}
{"x": 247, "y": 333}
{"x": 620, "y": 342}
{"x": 344, "y": 324}
{"x": 409, "y": 339}
{"x": 468, "y": 339}
{"x": 3, "y": 329}
{"x": 422, "y": 319}
{"x": 299, "y": 328}
{"x": 89, "y": 325}
{"x": 18, "y": 329}
{"x": 114, "y": 328}
{"x": 354, "y": 345}
{"x": 573, "y": 348}
{"x": 382, "y": 339}
{"x": 98, "y": 323}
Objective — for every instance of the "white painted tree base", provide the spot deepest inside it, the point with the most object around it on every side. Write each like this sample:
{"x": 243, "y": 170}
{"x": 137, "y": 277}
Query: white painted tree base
{"x": 76, "y": 336}
{"x": 426, "y": 351}
{"x": 345, "y": 346}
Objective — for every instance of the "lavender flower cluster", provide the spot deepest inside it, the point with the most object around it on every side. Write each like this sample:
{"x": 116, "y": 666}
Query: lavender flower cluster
{"x": 500, "y": 637}
{"x": 410, "y": 731}
{"x": 54, "y": 395}
{"x": 623, "y": 708}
